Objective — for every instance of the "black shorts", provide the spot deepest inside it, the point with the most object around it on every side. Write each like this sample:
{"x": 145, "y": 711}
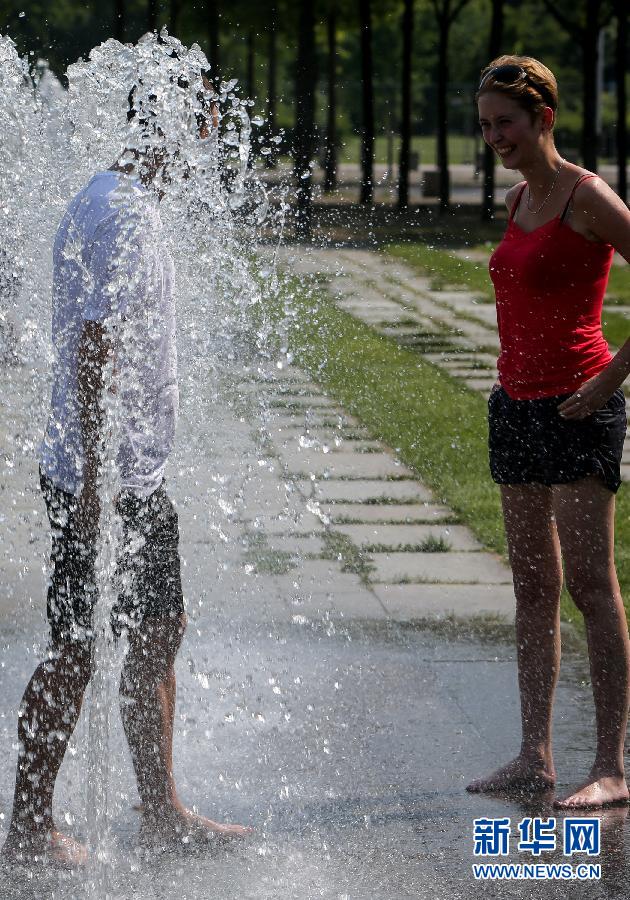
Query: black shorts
{"x": 530, "y": 442}
{"x": 148, "y": 572}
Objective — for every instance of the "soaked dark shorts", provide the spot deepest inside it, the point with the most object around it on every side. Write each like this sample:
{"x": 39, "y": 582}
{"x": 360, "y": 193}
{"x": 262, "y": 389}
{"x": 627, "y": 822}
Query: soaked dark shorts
{"x": 530, "y": 442}
{"x": 148, "y": 577}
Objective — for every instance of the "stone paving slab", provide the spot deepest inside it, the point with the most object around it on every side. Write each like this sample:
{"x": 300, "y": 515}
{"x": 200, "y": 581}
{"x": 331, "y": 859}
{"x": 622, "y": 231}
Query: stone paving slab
{"x": 406, "y": 602}
{"x": 385, "y": 513}
{"x": 305, "y": 399}
{"x": 357, "y": 603}
{"x": 480, "y": 384}
{"x": 456, "y": 537}
{"x": 351, "y": 446}
{"x": 324, "y": 575}
{"x": 365, "y": 490}
{"x": 332, "y": 443}
{"x": 333, "y": 438}
{"x": 385, "y": 314}
{"x": 300, "y": 545}
{"x": 401, "y": 332}
{"x": 307, "y": 419}
{"x": 468, "y": 373}
{"x": 343, "y": 465}
{"x": 305, "y": 523}
{"x": 454, "y": 567}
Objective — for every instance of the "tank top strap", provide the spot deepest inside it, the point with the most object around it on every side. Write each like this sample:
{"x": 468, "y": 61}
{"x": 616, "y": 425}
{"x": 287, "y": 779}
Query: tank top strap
{"x": 582, "y": 178}
{"x": 516, "y": 203}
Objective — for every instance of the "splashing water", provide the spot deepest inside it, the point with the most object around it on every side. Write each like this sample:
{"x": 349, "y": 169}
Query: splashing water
{"x": 212, "y": 206}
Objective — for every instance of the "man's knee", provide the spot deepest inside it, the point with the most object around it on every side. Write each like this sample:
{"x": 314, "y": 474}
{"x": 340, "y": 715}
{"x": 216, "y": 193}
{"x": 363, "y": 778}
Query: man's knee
{"x": 72, "y": 660}
{"x": 152, "y": 648}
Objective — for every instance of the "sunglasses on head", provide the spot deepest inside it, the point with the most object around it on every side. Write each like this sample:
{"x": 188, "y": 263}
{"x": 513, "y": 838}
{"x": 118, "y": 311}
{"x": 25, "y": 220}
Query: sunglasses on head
{"x": 510, "y": 73}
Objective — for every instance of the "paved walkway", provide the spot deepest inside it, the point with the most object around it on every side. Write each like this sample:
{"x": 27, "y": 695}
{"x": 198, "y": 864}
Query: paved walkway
{"x": 453, "y": 329}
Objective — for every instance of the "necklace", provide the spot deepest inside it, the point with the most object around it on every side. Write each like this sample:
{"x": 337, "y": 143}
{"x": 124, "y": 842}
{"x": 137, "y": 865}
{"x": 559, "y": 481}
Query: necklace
{"x": 529, "y": 193}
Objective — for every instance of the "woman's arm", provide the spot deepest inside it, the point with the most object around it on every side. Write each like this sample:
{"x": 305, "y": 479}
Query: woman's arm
{"x": 598, "y": 209}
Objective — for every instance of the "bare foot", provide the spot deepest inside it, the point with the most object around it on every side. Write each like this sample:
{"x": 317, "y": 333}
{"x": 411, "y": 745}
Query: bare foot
{"x": 521, "y": 774}
{"x": 51, "y": 847}
{"x": 596, "y": 793}
{"x": 185, "y": 826}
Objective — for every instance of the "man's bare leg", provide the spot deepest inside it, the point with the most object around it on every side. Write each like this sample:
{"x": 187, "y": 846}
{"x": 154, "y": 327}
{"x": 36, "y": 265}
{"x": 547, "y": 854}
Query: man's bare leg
{"x": 48, "y": 715}
{"x": 148, "y": 690}
{"x": 585, "y": 512}
{"x": 537, "y": 573}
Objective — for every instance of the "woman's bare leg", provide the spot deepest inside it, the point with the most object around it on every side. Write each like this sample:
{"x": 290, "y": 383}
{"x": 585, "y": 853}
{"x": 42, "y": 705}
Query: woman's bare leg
{"x": 585, "y": 512}
{"x": 537, "y": 574}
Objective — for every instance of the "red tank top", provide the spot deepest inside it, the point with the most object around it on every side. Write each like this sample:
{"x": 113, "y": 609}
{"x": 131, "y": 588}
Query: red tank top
{"x": 549, "y": 285}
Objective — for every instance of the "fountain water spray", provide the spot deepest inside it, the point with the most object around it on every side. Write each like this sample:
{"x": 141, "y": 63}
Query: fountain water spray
{"x": 212, "y": 204}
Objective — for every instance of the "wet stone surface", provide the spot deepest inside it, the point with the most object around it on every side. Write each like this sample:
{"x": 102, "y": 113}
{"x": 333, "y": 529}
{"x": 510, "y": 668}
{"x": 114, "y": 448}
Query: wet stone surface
{"x": 346, "y": 747}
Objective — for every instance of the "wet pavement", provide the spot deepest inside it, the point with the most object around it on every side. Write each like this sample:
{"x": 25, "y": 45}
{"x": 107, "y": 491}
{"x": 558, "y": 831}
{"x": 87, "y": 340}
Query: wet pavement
{"x": 342, "y": 728}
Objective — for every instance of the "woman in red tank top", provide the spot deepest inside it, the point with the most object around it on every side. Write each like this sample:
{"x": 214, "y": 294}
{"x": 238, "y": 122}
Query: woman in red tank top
{"x": 557, "y": 424}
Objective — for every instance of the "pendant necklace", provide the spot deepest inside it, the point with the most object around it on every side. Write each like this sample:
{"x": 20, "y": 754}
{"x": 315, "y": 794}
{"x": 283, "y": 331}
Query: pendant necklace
{"x": 529, "y": 193}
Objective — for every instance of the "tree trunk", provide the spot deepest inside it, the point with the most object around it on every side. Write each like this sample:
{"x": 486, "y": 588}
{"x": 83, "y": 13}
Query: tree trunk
{"x": 494, "y": 49}
{"x": 173, "y": 25}
{"x": 304, "y": 133}
{"x": 405, "y": 125}
{"x": 272, "y": 72}
{"x": 120, "y": 20}
{"x": 330, "y": 162}
{"x": 212, "y": 15}
{"x": 590, "y": 54}
{"x": 272, "y": 78}
{"x": 367, "y": 138}
{"x": 442, "y": 109}
{"x": 621, "y": 68}
{"x": 152, "y": 15}
{"x": 250, "y": 64}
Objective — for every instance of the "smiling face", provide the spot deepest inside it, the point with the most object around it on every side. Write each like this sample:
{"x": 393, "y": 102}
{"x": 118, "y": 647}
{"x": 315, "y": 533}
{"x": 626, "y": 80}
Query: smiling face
{"x": 510, "y": 131}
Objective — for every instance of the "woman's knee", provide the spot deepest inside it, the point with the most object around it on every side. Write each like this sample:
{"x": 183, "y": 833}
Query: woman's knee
{"x": 592, "y": 590}
{"x": 536, "y": 585}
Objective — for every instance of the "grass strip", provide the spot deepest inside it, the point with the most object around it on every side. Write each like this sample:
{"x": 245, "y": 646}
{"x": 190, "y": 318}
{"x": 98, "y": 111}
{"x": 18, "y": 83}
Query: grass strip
{"x": 616, "y": 327}
{"x": 437, "y": 426}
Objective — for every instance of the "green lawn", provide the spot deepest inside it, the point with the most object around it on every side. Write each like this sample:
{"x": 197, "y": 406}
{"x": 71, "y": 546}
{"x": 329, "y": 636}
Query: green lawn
{"x": 437, "y": 426}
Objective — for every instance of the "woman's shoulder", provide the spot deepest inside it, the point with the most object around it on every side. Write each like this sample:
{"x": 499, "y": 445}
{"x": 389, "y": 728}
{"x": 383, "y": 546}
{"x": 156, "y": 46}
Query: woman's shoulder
{"x": 598, "y": 211}
{"x": 512, "y": 194}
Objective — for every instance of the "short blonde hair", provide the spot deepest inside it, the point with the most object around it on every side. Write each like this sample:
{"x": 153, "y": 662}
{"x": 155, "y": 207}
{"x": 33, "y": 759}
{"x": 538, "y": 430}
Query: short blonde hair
{"x": 534, "y": 89}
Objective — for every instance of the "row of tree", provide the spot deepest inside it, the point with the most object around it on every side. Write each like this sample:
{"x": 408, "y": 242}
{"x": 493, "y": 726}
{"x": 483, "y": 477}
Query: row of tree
{"x": 314, "y": 44}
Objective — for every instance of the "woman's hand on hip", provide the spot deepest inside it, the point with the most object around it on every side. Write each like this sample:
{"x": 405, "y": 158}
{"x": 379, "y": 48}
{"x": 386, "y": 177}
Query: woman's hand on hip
{"x": 588, "y": 398}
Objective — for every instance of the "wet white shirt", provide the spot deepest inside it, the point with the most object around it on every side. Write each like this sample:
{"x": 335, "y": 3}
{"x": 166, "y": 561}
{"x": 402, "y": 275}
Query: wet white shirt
{"x": 111, "y": 266}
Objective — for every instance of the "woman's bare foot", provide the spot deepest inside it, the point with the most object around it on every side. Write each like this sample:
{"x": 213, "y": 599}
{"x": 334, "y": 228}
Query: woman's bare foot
{"x": 51, "y": 847}
{"x": 185, "y": 826}
{"x": 522, "y": 774}
{"x": 596, "y": 792}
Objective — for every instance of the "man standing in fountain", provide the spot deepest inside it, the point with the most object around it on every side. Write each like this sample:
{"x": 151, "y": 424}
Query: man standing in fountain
{"x": 114, "y": 336}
